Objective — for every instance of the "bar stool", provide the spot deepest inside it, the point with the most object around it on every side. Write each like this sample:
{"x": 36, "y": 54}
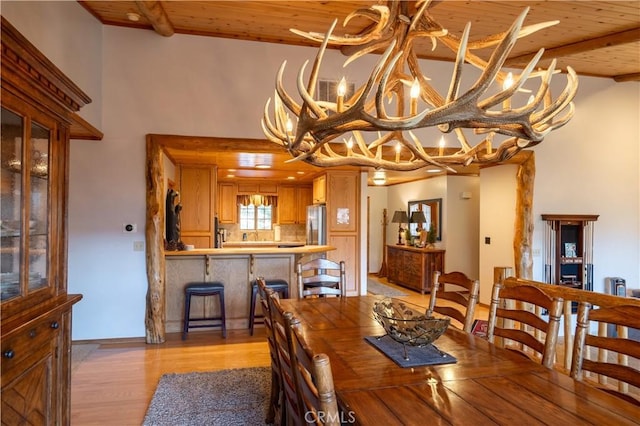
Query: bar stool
{"x": 203, "y": 289}
{"x": 277, "y": 285}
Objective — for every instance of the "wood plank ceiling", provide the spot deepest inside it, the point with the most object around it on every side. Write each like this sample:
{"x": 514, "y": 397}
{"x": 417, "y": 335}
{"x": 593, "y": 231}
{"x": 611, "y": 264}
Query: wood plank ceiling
{"x": 596, "y": 38}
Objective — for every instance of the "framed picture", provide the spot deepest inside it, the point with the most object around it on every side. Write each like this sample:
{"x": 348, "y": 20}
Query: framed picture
{"x": 432, "y": 210}
{"x": 569, "y": 249}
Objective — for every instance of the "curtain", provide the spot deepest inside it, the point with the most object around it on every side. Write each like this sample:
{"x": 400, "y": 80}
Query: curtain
{"x": 258, "y": 200}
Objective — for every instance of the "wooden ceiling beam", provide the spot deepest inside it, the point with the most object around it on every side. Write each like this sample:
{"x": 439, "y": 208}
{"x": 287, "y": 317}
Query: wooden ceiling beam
{"x": 624, "y": 37}
{"x": 627, "y": 77}
{"x": 156, "y": 15}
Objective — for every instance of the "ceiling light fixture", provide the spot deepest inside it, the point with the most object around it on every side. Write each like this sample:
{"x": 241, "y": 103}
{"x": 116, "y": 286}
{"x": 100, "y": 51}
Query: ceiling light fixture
{"x": 379, "y": 177}
{"x": 133, "y": 17}
{"x": 373, "y": 135}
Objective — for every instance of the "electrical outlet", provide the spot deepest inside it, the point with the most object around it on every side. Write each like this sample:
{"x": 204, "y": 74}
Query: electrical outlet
{"x": 536, "y": 252}
{"x": 129, "y": 228}
{"x": 138, "y": 246}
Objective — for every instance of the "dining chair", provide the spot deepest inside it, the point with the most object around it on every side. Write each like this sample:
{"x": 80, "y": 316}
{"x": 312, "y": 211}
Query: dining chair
{"x": 602, "y": 347}
{"x": 279, "y": 323}
{"x": 314, "y": 380}
{"x": 321, "y": 277}
{"x": 275, "y": 413}
{"x": 516, "y": 318}
{"x": 463, "y": 298}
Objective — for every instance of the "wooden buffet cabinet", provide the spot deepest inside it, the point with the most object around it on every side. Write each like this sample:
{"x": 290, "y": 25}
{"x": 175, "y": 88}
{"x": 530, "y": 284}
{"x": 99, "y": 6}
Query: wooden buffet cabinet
{"x": 38, "y": 119}
{"x": 413, "y": 267}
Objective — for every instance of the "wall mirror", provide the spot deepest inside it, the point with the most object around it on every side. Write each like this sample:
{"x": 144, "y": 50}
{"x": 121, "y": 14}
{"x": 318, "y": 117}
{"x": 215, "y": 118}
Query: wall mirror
{"x": 432, "y": 210}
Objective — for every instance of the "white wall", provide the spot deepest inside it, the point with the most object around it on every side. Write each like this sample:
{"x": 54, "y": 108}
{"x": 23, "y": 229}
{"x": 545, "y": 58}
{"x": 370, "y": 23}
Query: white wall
{"x": 68, "y": 36}
{"x": 377, "y": 203}
{"x": 463, "y": 225}
{"x": 144, "y": 83}
{"x": 497, "y": 220}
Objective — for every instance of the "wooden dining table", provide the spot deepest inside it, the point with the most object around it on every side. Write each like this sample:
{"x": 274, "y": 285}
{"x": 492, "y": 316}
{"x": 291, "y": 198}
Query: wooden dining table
{"x": 486, "y": 385}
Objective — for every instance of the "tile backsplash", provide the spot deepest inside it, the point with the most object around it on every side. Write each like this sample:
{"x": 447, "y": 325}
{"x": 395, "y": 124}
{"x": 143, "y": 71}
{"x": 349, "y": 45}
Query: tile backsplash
{"x": 288, "y": 233}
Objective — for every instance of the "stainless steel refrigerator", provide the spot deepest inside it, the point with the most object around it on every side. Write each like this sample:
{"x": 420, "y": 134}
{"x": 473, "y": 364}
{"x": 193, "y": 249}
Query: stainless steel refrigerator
{"x": 317, "y": 224}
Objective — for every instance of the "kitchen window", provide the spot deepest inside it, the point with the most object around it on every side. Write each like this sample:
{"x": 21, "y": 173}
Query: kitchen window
{"x": 255, "y": 218}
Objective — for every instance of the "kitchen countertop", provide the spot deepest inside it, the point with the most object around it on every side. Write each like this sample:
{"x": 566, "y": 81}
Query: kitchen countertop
{"x": 251, "y": 250}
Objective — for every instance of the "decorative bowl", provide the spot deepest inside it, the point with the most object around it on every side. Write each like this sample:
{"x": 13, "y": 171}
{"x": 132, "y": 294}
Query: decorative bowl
{"x": 407, "y": 323}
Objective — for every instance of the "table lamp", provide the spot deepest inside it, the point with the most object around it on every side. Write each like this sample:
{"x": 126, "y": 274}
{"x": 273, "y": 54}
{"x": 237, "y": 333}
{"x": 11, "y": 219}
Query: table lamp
{"x": 419, "y": 218}
{"x": 400, "y": 217}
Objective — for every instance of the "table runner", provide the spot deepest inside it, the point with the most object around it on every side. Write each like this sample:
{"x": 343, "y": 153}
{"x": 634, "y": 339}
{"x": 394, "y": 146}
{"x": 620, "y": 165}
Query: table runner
{"x": 418, "y": 356}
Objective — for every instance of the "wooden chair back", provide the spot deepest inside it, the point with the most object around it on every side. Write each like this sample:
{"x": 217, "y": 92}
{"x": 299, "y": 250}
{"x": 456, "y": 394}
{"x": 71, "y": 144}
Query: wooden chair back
{"x": 571, "y": 296}
{"x": 321, "y": 277}
{"x": 314, "y": 381}
{"x": 460, "y": 303}
{"x": 514, "y": 317}
{"x": 275, "y": 411}
{"x": 603, "y": 353}
{"x": 279, "y": 320}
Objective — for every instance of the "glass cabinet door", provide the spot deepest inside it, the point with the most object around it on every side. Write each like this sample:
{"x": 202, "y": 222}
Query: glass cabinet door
{"x": 24, "y": 205}
{"x": 38, "y": 246}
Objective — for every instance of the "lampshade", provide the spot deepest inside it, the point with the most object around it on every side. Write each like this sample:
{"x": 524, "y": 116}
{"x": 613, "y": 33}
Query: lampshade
{"x": 418, "y": 217}
{"x": 400, "y": 216}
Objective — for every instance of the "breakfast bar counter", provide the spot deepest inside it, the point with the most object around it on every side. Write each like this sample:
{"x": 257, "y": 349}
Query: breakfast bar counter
{"x": 235, "y": 267}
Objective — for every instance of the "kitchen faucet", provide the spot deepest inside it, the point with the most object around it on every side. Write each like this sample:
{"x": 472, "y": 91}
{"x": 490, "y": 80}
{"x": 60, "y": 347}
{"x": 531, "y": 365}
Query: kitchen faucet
{"x": 255, "y": 235}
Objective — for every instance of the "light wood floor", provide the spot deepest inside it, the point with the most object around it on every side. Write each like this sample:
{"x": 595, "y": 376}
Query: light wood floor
{"x": 115, "y": 383}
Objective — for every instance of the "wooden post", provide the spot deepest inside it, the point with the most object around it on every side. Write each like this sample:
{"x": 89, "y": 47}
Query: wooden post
{"x": 383, "y": 267}
{"x": 522, "y": 240}
{"x": 154, "y": 235}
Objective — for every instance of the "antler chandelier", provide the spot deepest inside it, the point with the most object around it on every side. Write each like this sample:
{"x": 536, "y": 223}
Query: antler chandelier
{"x": 392, "y": 144}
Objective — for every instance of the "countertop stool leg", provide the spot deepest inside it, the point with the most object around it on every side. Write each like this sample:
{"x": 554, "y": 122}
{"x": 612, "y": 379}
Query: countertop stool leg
{"x": 204, "y": 289}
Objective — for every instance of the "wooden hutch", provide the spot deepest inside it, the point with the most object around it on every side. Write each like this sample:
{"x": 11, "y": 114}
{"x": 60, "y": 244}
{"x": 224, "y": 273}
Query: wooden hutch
{"x": 569, "y": 250}
{"x": 38, "y": 119}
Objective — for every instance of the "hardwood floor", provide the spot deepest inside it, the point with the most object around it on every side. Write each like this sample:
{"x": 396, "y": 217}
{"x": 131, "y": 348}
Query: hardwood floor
{"x": 115, "y": 383}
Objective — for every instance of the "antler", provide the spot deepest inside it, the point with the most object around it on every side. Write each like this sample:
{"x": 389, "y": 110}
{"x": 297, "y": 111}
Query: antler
{"x": 321, "y": 123}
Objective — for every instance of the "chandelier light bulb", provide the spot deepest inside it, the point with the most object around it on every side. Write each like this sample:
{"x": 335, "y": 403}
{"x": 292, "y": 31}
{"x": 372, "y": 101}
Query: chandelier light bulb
{"x": 508, "y": 82}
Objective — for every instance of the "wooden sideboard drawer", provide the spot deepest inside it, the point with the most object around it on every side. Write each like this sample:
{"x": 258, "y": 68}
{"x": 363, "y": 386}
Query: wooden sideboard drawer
{"x": 28, "y": 344}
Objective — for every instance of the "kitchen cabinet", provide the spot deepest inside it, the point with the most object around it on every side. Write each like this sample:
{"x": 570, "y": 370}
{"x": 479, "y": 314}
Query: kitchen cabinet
{"x": 413, "y": 267}
{"x": 197, "y": 198}
{"x": 292, "y": 203}
{"x": 227, "y": 203}
{"x": 320, "y": 189}
{"x": 38, "y": 110}
{"x": 262, "y": 188}
{"x": 569, "y": 250}
{"x": 343, "y": 222}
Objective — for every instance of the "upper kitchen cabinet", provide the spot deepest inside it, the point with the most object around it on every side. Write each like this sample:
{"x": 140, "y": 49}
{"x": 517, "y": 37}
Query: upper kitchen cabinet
{"x": 292, "y": 203}
{"x": 262, "y": 188}
{"x": 39, "y": 106}
{"x": 197, "y": 198}
{"x": 227, "y": 203}
{"x": 320, "y": 189}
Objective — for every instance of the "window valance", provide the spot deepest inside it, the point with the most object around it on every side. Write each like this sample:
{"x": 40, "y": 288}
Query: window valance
{"x": 258, "y": 200}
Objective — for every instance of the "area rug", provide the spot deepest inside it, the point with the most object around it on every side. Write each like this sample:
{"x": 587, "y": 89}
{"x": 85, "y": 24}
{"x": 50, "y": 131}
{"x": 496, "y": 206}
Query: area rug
{"x": 376, "y": 287}
{"x": 220, "y": 398}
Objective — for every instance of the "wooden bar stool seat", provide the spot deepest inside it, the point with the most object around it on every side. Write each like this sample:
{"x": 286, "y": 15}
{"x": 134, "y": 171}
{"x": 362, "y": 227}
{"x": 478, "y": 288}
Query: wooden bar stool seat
{"x": 277, "y": 285}
{"x": 203, "y": 289}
